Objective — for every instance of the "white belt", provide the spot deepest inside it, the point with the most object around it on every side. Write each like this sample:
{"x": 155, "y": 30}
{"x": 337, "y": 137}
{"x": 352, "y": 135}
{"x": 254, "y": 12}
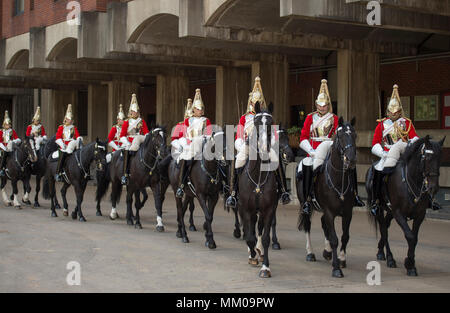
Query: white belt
{"x": 320, "y": 139}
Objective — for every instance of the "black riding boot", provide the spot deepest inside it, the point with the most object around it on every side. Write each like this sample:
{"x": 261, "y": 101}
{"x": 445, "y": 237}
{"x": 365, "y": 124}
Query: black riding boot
{"x": 2, "y": 163}
{"x": 281, "y": 180}
{"x": 434, "y": 204}
{"x": 231, "y": 200}
{"x": 376, "y": 187}
{"x": 180, "y": 191}
{"x": 307, "y": 187}
{"x": 358, "y": 201}
{"x": 60, "y": 166}
{"x": 126, "y": 167}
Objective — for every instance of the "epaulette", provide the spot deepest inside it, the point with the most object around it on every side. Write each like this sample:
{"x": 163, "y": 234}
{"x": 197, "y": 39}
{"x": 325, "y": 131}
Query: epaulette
{"x": 382, "y": 120}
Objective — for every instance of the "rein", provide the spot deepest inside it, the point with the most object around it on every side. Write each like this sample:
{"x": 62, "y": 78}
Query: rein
{"x": 157, "y": 158}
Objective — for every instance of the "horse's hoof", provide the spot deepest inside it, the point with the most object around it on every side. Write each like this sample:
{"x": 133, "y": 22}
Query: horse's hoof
{"x": 54, "y": 214}
{"x": 276, "y": 246}
{"x": 253, "y": 262}
{"x": 411, "y": 272}
{"x": 98, "y": 213}
{"x": 36, "y": 204}
{"x": 28, "y": 202}
{"x": 327, "y": 255}
{"x": 210, "y": 244}
{"x": 57, "y": 206}
{"x": 381, "y": 256}
{"x": 337, "y": 273}
{"x": 192, "y": 228}
{"x": 82, "y": 219}
{"x": 138, "y": 226}
{"x": 74, "y": 215}
{"x": 130, "y": 222}
{"x": 265, "y": 274}
{"x": 311, "y": 257}
{"x": 160, "y": 229}
{"x": 65, "y": 212}
{"x": 237, "y": 233}
{"x": 8, "y": 203}
{"x": 342, "y": 264}
{"x": 391, "y": 263}
{"x": 178, "y": 234}
{"x": 18, "y": 207}
{"x": 185, "y": 240}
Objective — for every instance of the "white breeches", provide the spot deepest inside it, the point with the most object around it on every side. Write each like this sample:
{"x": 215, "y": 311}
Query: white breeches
{"x": 38, "y": 141}
{"x": 192, "y": 150}
{"x": 242, "y": 156}
{"x": 134, "y": 145}
{"x": 178, "y": 147}
{"x": 320, "y": 155}
{"x": 72, "y": 146}
{"x": 392, "y": 156}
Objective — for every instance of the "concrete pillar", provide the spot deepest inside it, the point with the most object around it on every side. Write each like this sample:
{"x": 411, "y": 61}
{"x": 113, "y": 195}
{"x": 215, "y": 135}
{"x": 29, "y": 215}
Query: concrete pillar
{"x": 97, "y": 106}
{"x": 358, "y": 87}
{"x": 232, "y": 87}
{"x": 274, "y": 81}
{"x": 172, "y": 92}
{"x": 22, "y": 113}
{"x": 59, "y": 100}
{"x": 43, "y": 98}
{"x": 119, "y": 92}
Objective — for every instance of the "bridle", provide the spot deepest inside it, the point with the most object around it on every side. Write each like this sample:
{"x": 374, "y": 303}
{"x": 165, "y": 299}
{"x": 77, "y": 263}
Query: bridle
{"x": 99, "y": 164}
{"x": 158, "y": 156}
{"x": 283, "y": 148}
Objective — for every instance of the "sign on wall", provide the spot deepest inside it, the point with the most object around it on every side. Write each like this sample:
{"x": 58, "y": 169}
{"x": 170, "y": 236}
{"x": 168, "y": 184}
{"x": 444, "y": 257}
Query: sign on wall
{"x": 426, "y": 108}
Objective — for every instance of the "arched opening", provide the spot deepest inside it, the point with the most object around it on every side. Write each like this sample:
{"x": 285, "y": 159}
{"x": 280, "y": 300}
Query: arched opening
{"x": 64, "y": 50}
{"x": 19, "y": 61}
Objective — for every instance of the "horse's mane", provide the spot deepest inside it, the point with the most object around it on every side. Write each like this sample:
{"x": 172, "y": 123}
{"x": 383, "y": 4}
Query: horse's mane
{"x": 148, "y": 139}
{"x": 412, "y": 149}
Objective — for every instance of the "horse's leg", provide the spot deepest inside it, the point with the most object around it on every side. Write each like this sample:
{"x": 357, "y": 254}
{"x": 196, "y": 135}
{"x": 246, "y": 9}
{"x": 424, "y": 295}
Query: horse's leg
{"x": 63, "y": 196}
{"x": 381, "y": 256}
{"x": 249, "y": 221}
{"x": 26, "y": 190}
{"x": 259, "y": 245}
{"x": 346, "y": 220}
{"x": 327, "y": 254}
{"x": 237, "y": 226}
{"x": 129, "y": 208}
{"x": 191, "y": 216}
{"x": 15, "y": 193}
{"x": 52, "y": 193}
{"x": 275, "y": 243}
{"x": 156, "y": 188}
{"x": 204, "y": 203}
{"x": 267, "y": 222}
{"x": 310, "y": 256}
{"x": 329, "y": 220}
{"x": 115, "y": 192}
{"x": 138, "y": 206}
{"x": 144, "y": 196}
{"x": 4, "y": 194}
{"x": 38, "y": 188}
{"x": 79, "y": 192}
{"x": 390, "y": 258}
{"x": 181, "y": 210}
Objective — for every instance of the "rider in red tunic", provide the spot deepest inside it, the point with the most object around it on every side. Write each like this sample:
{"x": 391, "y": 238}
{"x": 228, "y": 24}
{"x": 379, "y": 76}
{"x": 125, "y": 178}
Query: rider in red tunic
{"x": 36, "y": 130}
{"x": 132, "y": 135}
{"x": 179, "y": 141}
{"x": 114, "y": 133}
{"x": 8, "y": 137}
{"x": 68, "y": 139}
{"x": 318, "y": 129}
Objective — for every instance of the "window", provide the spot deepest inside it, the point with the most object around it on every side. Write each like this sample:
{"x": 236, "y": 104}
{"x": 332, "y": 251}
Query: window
{"x": 31, "y": 5}
{"x": 19, "y": 7}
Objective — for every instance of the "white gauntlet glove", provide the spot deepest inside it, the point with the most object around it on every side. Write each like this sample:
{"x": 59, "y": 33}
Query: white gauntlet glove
{"x": 379, "y": 151}
{"x": 113, "y": 145}
{"x": 61, "y": 144}
{"x": 239, "y": 144}
{"x": 306, "y": 146}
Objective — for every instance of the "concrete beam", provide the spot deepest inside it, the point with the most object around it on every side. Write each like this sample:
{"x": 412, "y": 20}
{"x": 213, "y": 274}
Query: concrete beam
{"x": 14, "y": 46}
{"x": 438, "y": 7}
{"x": 351, "y": 13}
{"x": 92, "y": 35}
{"x": 191, "y": 18}
{"x": 57, "y": 34}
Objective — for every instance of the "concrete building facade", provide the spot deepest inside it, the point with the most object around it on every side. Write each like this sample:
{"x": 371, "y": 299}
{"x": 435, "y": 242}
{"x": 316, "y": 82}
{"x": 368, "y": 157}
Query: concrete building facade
{"x": 164, "y": 49}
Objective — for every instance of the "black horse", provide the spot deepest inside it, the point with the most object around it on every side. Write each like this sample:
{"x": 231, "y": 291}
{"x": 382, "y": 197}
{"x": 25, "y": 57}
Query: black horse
{"x": 258, "y": 195}
{"x": 407, "y": 194}
{"x": 205, "y": 184}
{"x": 76, "y": 167}
{"x": 38, "y": 166}
{"x": 144, "y": 171}
{"x": 334, "y": 196}
{"x": 18, "y": 167}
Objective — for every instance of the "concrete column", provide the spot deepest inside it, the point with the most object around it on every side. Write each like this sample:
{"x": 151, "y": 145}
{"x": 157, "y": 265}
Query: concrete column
{"x": 358, "y": 87}
{"x": 119, "y": 92}
{"x": 172, "y": 92}
{"x": 59, "y": 99}
{"x": 274, "y": 81}
{"x": 47, "y": 118}
{"x": 97, "y": 106}
{"x": 22, "y": 113}
{"x": 232, "y": 87}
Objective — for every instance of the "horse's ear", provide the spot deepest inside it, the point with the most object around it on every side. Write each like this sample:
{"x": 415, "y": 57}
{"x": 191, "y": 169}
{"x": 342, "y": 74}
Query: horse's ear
{"x": 427, "y": 138}
{"x": 353, "y": 121}
{"x": 257, "y": 107}
{"x": 341, "y": 121}
{"x": 441, "y": 142}
{"x": 271, "y": 107}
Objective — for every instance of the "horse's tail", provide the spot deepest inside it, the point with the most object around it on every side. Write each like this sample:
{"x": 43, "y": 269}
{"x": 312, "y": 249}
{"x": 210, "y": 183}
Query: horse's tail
{"x": 102, "y": 185}
{"x": 46, "y": 188}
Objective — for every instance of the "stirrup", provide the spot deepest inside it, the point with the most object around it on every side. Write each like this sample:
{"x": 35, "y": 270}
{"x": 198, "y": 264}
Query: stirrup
{"x": 231, "y": 202}
{"x": 179, "y": 193}
{"x": 374, "y": 210}
{"x": 435, "y": 206}
{"x": 285, "y": 198}
{"x": 2, "y": 173}
{"x": 306, "y": 210}
{"x": 124, "y": 180}
{"x": 359, "y": 202}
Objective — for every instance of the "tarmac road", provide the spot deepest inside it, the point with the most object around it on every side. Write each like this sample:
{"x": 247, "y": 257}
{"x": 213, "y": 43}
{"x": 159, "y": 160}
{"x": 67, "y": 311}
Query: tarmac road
{"x": 115, "y": 257}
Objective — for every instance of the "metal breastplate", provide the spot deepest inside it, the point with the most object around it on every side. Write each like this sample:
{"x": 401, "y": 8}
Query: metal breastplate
{"x": 133, "y": 131}
{"x": 196, "y": 126}
{"x": 249, "y": 125}
{"x": 118, "y": 131}
{"x": 36, "y": 130}
{"x": 68, "y": 132}
{"x": 7, "y": 135}
{"x": 324, "y": 129}
{"x": 397, "y": 131}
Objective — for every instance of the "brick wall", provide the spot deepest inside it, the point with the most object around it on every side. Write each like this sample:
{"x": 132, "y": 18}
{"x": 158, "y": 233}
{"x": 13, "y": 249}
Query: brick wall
{"x": 45, "y": 12}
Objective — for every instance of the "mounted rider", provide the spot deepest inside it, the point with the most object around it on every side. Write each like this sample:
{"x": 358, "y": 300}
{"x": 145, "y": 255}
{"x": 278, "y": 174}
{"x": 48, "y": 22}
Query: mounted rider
{"x": 392, "y": 135}
{"x": 8, "y": 137}
{"x": 68, "y": 139}
{"x": 244, "y": 129}
{"x": 316, "y": 140}
{"x": 114, "y": 134}
{"x": 179, "y": 141}
{"x": 132, "y": 135}
{"x": 196, "y": 127}
{"x": 36, "y": 130}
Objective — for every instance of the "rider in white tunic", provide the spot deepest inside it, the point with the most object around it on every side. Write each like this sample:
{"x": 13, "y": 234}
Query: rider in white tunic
{"x": 36, "y": 130}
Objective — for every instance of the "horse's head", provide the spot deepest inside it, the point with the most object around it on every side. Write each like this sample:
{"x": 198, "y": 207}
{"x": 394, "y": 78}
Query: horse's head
{"x": 430, "y": 162}
{"x": 263, "y": 121}
{"x": 100, "y": 151}
{"x": 29, "y": 146}
{"x": 345, "y": 143}
{"x": 286, "y": 153}
{"x": 214, "y": 147}
{"x": 158, "y": 139}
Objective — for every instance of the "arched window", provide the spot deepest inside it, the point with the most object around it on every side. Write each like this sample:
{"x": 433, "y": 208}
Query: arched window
{"x": 19, "y": 7}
